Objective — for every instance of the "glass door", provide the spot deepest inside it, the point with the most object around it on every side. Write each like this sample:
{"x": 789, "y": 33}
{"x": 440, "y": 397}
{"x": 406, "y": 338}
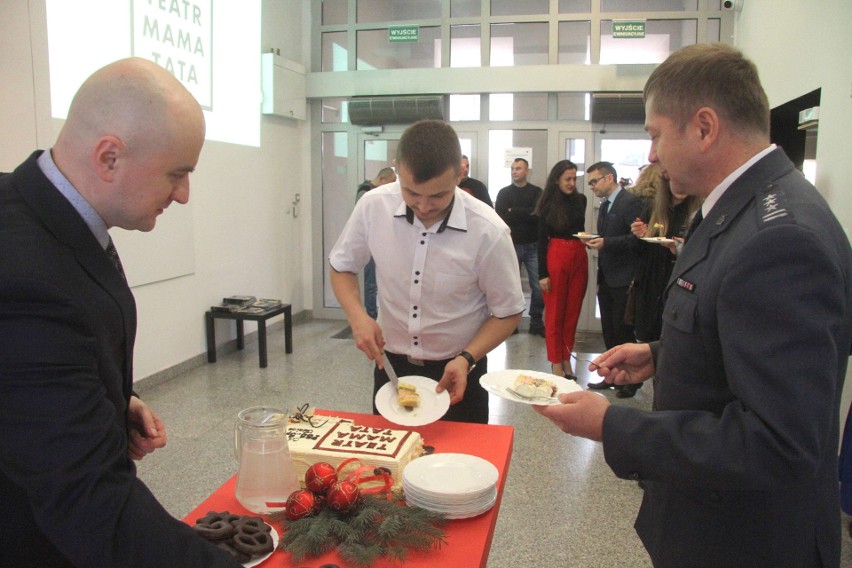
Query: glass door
{"x": 577, "y": 147}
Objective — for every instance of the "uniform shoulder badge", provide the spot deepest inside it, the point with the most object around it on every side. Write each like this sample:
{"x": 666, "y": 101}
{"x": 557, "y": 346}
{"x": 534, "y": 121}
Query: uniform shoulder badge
{"x": 771, "y": 207}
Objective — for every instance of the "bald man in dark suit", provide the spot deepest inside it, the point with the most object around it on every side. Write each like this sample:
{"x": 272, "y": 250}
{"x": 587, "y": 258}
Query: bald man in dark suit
{"x": 70, "y": 425}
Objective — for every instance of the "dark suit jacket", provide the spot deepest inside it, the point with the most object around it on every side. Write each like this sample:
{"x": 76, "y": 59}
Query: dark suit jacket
{"x": 618, "y": 259}
{"x": 740, "y": 463}
{"x": 68, "y": 490}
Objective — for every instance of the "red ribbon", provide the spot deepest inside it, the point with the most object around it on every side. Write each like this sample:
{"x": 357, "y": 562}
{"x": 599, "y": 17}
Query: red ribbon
{"x": 360, "y": 475}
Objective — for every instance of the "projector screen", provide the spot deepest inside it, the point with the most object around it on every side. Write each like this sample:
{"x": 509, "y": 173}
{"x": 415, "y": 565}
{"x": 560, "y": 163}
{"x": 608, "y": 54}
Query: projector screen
{"x": 211, "y": 46}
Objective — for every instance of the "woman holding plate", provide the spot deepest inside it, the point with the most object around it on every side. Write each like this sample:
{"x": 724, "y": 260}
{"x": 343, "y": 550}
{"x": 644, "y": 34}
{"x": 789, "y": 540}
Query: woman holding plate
{"x": 562, "y": 262}
{"x": 667, "y": 216}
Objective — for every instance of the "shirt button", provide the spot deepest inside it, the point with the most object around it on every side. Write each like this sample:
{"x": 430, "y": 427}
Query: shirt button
{"x": 417, "y": 281}
{"x": 417, "y": 272}
{"x": 422, "y": 242}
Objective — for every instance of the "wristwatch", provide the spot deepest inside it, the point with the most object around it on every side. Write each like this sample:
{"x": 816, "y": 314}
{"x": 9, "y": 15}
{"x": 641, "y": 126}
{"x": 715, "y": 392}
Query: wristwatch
{"x": 469, "y": 358}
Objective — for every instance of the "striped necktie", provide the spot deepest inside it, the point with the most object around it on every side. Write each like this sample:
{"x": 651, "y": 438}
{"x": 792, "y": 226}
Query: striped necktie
{"x": 113, "y": 256}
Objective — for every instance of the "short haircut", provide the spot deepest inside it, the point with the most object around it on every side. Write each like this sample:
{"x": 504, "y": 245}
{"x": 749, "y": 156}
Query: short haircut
{"x": 521, "y": 160}
{"x": 604, "y": 167}
{"x": 428, "y": 148}
{"x": 386, "y": 173}
{"x": 709, "y": 75}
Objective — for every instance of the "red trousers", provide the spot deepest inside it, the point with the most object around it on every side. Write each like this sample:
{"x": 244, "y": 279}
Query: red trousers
{"x": 568, "y": 267}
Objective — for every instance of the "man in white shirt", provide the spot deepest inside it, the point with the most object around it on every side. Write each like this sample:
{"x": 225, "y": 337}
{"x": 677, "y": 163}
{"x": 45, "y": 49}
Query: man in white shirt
{"x": 449, "y": 289}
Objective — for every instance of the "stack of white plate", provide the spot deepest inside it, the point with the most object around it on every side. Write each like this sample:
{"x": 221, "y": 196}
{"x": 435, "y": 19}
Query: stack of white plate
{"x": 457, "y": 485}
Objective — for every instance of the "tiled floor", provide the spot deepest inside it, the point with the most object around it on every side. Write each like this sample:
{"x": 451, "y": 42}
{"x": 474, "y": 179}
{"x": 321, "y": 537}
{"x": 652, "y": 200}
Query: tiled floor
{"x": 572, "y": 510}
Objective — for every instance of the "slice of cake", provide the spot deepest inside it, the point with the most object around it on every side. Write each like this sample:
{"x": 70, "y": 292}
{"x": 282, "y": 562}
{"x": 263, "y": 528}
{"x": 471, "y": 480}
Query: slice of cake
{"x": 335, "y": 440}
{"x": 407, "y": 395}
{"x": 533, "y": 386}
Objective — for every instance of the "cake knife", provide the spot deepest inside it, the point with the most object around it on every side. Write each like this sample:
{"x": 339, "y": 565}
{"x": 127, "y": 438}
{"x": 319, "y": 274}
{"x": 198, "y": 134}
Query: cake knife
{"x": 390, "y": 372}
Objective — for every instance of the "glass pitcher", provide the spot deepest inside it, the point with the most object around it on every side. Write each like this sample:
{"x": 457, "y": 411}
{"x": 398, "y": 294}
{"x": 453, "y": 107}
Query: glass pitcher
{"x": 266, "y": 476}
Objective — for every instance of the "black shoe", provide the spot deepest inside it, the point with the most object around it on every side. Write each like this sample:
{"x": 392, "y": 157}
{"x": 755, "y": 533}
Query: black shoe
{"x": 571, "y": 377}
{"x": 537, "y": 331}
{"x": 603, "y": 385}
{"x": 628, "y": 391}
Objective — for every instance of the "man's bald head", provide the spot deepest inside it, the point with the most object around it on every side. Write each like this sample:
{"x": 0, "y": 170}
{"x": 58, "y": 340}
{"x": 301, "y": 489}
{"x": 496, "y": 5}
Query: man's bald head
{"x": 132, "y": 136}
{"x": 133, "y": 99}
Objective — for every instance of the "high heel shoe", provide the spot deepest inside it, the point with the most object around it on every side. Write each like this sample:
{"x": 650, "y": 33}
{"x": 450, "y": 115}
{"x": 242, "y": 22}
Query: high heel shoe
{"x": 570, "y": 377}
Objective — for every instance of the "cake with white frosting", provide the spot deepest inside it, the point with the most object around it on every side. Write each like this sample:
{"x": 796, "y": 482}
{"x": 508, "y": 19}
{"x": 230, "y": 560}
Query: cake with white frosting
{"x": 335, "y": 440}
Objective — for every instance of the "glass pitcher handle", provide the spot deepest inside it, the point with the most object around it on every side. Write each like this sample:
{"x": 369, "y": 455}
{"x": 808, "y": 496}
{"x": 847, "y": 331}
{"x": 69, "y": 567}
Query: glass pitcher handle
{"x": 237, "y": 441}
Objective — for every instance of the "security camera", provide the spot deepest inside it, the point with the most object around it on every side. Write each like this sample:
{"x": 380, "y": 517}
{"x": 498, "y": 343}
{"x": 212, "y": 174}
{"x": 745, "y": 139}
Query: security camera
{"x": 736, "y": 5}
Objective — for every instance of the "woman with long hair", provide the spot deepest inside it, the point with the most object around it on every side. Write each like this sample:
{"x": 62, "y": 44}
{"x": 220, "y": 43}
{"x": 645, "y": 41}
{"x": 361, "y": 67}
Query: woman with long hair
{"x": 667, "y": 215}
{"x": 562, "y": 262}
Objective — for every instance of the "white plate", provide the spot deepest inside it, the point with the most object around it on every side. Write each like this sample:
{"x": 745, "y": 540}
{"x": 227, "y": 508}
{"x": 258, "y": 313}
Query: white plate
{"x": 579, "y": 236}
{"x": 432, "y": 405}
{"x": 496, "y": 383}
{"x": 259, "y": 559}
{"x": 658, "y": 240}
{"x": 446, "y": 474}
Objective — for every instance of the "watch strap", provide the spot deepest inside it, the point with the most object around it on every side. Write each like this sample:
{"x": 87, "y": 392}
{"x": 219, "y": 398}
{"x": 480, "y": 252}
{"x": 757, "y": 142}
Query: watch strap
{"x": 469, "y": 358}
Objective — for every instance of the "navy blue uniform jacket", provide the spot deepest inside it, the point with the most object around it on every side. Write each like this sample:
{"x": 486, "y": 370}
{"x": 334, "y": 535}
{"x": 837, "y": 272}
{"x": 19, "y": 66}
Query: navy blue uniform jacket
{"x": 740, "y": 461}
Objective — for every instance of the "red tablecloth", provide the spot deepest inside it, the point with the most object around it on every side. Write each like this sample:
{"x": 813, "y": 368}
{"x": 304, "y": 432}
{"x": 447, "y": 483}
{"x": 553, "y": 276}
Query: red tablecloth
{"x": 468, "y": 540}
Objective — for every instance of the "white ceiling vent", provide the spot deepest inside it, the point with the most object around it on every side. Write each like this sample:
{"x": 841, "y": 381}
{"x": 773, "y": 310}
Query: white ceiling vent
{"x": 608, "y": 108}
{"x": 367, "y": 111}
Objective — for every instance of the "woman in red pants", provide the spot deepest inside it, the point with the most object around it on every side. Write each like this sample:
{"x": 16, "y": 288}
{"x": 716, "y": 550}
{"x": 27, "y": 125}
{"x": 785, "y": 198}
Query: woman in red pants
{"x": 562, "y": 263}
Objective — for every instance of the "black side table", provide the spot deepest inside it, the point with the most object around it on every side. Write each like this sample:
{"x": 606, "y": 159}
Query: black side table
{"x": 260, "y": 318}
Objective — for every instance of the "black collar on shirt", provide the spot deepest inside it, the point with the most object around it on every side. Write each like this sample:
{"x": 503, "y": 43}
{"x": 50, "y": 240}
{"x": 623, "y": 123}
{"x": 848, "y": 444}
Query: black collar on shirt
{"x": 409, "y": 216}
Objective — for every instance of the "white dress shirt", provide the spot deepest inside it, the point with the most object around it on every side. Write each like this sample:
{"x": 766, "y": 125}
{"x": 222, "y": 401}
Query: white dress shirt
{"x": 720, "y": 189}
{"x": 437, "y": 286}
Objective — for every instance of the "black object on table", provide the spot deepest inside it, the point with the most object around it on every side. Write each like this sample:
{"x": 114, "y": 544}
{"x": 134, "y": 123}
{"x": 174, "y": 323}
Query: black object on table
{"x": 260, "y": 317}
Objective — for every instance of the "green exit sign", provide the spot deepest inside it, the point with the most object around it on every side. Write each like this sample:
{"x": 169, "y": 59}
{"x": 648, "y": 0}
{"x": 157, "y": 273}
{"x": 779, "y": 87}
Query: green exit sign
{"x": 403, "y": 33}
{"x": 628, "y": 29}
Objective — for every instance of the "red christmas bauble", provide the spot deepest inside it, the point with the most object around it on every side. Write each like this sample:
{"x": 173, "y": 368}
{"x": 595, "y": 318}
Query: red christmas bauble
{"x": 320, "y": 477}
{"x": 300, "y": 504}
{"x": 342, "y": 496}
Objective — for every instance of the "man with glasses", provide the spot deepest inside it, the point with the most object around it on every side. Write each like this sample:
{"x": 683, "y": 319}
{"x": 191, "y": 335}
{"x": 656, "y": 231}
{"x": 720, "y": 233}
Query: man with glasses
{"x": 617, "y": 259}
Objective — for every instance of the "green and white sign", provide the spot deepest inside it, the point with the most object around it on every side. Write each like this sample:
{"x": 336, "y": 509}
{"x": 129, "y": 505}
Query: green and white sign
{"x": 628, "y": 29}
{"x": 403, "y": 33}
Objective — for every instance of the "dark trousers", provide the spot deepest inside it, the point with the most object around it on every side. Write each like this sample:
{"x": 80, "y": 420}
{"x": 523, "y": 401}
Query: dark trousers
{"x": 472, "y": 408}
{"x": 612, "y": 302}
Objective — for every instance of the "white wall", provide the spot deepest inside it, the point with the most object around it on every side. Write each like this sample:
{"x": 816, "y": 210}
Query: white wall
{"x": 798, "y": 47}
{"x": 245, "y": 241}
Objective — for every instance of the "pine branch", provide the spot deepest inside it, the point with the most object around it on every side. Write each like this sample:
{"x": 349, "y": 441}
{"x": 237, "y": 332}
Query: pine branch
{"x": 375, "y": 528}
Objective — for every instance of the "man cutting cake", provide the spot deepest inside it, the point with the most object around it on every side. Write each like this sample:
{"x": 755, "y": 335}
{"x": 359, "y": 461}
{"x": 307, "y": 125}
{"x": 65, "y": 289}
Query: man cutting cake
{"x": 449, "y": 289}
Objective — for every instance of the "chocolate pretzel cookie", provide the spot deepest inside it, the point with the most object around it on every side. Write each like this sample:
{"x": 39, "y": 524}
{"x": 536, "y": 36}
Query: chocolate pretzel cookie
{"x": 253, "y": 536}
{"x": 241, "y": 536}
{"x": 216, "y": 526}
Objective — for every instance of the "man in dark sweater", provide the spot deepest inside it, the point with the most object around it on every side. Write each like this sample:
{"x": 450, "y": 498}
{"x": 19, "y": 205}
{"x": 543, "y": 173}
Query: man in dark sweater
{"x": 473, "y": 186}
{"x": 515, "y": 204}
